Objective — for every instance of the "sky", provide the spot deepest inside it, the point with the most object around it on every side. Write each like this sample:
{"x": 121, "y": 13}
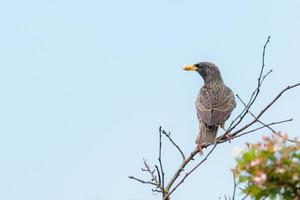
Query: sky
{"x": 85, "y": 86}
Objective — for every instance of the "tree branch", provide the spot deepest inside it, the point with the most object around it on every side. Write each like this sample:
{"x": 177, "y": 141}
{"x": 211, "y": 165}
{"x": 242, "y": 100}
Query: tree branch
{"x": 142, "y": 181}
{"x": 270, "y": 128}
{"x": 261, "y": 127}
{"x": 263, "y": 110}
{"x": 160, "y": 163}
{"x": 255, "y": 93}
{"x": 234, "y": 186}
{"x": 168, "y": 135}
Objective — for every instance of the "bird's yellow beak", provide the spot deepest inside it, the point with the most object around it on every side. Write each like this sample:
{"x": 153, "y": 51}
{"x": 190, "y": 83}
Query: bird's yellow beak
{"x": 190, "y": 68}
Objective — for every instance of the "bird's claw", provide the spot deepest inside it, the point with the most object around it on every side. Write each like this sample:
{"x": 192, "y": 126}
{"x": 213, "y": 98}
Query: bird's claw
{"x": 199, "y": 147}
{"x": 228, "y": 136}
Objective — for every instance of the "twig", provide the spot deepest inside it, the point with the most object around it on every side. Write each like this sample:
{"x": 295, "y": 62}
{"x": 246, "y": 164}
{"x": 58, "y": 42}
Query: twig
{"x": 245, "y": 196}
{"x": 154, "y": 180}
{"x": 168, "y": 135}
{"x": 239, "y": 98}
{"x": 142, "y": 181}
{"x": 255, "y": 93}
{"x": 158, "y": 174}
{"x": 160, "y": 162}
{"x": 234, "y": 186}
{"x": 261, "y": 127}
{"x": 156, "y": 190}
{"x": 263, "y": 60}
{"x": 151, "y": 172}
{"x": 265, "y": 109}
{"x": 270, "y": 128}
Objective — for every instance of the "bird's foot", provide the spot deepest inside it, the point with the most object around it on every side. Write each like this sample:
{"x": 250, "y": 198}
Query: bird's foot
{"x": 199, "y": 147}
{"x": 228, "y": 136}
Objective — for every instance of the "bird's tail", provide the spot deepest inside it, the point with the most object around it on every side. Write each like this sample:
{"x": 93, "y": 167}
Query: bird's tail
{"x": 207, "y": 134}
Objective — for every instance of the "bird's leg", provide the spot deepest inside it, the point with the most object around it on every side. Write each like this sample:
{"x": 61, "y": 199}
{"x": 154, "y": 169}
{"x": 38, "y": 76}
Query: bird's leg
{"x": 227, "y": 134}
{"x": 199, "y": 145}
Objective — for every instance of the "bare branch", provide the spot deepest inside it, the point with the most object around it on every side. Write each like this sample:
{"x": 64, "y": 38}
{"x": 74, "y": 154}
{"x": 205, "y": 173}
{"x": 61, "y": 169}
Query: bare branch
{"x": 239, "y": 98}
{"x": 234, "y": 186}
{"x": 263, "y": 61}
{"x": 142, "y": 181}
{"x": 151, "y": 172}
{"x": 270, "y": 128}
{"x": 153, "y": 181}
{"x": 264, "y": 110}
{"x": 261, "y": 127}
{"x": 168, "y": 135}
{"x": 156, "y": 190}
{"x": 160, "y": 163}
{"x": 245, "y": 197}
{"x": 158, "y": 174}
{"x": 255, "y": 93}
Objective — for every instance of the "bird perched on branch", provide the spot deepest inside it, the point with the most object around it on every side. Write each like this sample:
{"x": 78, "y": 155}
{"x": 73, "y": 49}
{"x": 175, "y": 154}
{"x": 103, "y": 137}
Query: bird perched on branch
{"x": 214, "y": 102}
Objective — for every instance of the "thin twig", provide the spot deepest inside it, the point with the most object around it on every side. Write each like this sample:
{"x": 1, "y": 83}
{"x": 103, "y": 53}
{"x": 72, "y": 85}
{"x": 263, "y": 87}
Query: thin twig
{"x": 245, "y": 196}
{"x": 158, "y": 174}
{"x": 261, "y": 127}
{"x": 263, "y": 61}
{"x": 270, "y": 128}
{"x": 142, "y": 181}
{"x": 168, "y": 135}
{"x": 160, "y": 162}
{"x": 239, "y": 98}
{"x": 234, "y": 186}
{"x": 151, "y": 172}
{"x": 265, "y": 109}
{"x": 255, "y": 93}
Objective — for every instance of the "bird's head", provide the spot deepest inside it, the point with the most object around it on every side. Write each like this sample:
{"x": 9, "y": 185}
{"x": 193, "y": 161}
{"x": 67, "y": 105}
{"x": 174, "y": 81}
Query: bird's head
{"x": 208, "y": 71}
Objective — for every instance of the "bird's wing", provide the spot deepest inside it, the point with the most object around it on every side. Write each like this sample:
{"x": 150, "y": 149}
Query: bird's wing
{"x": 214, "y": 108}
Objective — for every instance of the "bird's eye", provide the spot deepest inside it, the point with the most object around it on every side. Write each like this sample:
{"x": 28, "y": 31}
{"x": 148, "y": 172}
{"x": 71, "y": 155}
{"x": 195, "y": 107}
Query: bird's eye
{"x": 199, "y": 66}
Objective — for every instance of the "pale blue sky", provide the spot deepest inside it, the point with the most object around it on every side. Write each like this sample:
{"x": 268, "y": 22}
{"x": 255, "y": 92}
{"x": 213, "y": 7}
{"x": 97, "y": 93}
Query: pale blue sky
{"x": 85, "y": 85}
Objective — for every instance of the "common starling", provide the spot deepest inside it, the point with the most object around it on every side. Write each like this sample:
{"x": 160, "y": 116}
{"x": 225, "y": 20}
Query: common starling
{"x": 214, "y": 102}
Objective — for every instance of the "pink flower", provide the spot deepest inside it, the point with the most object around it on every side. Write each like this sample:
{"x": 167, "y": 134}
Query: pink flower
{"x": 259, "y": 179}
{"x": 254, "y": 162}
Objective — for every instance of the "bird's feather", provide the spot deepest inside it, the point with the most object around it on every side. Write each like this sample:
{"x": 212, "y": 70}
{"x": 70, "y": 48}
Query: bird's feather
{"x": 215, "y": 104}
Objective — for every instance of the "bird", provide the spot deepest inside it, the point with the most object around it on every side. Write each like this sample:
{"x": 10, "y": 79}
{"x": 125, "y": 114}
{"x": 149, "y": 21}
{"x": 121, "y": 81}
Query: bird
{"x": 214, "y": 103}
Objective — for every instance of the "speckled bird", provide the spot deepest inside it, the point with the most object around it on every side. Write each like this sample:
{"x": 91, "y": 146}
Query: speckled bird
{"x": 214, "y": 103}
